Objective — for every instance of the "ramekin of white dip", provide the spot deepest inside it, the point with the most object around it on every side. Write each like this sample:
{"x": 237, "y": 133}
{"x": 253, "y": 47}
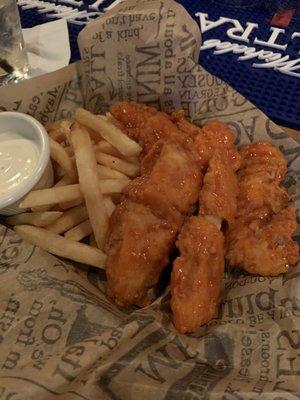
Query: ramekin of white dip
{"x": 24, "y": 159}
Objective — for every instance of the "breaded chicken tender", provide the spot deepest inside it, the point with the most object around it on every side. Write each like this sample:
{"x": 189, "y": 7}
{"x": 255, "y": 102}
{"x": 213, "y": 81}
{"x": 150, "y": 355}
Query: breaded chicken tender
{"x": 216, "y": 135}
{"x": 172, "y": 182}
{"x": 264, "y": 159}
{"x": 264, "y": 247}
{"x": 138, "y": 248}
{"x": 220, "y": 188}
{"x": 145, "y": 124}
{"x": 197, "y": 274}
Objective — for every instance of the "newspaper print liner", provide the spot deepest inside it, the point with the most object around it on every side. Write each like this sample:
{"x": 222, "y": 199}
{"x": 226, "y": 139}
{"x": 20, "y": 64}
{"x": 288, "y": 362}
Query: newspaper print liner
{"x": 60, "y": 337}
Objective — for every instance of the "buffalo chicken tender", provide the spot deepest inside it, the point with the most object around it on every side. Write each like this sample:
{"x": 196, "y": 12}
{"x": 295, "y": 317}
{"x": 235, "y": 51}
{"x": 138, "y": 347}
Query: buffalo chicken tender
{"x": 258, "y": 199}
{"x": 197, "y": 274}
{"x": 220, "y": 188}
{"x": 138, "y": 248}
{"x": 264, "y": 247}
{"x": 184, "y": 125}
{"x": 263, "y": 159}
{"x": 145, "y": 124}
{"x": 216, "y": 135}
{"x": 173, "y": 181}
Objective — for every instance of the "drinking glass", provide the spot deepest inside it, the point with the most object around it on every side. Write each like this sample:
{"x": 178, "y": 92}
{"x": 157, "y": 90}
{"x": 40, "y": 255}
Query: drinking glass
{"x": 13, "y": 58}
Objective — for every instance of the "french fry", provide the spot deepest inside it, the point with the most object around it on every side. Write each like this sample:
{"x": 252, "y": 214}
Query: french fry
{"x": 66, "y": 205}
{"x": 109, "y": 186}
{"x": 59, "y": 155}
{"x": 57, "y": 135}
{"x": 70, "y": 193}
{"x": 95, "y": 137}
{"x": 59, "y": 130}
{"x": 109, "y": 132}
{"x": 109, "y": 205}
{"x": 123, "y": 166}
{"x": 69, "y": 151}
{"x": 52, "y": 196}
{"x": 89, "y": 182}
{"x": 65, "y": 180}
{"x": 69, "y": 219}
{"x": 61, "y": 246}
{"x": 92, "y": 241}
{"x": 59, "y": 172}
{"x": 107, "y": 148}
{"x": 108, "y": 173}
{"x": 35, "y": 218}
{"x": 116, "y": 197}
{"x": 80, "y": 231}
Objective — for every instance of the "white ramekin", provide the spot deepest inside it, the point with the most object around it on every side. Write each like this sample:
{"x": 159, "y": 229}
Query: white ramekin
{"x": 42, "y": 176}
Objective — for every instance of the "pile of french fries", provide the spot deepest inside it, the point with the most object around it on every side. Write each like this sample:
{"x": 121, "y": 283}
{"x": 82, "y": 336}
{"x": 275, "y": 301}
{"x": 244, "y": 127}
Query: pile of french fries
{"x": 93, "y": 161}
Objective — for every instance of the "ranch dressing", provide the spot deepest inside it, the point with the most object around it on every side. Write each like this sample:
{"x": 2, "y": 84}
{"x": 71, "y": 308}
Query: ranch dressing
{"x": 18, "y": 159}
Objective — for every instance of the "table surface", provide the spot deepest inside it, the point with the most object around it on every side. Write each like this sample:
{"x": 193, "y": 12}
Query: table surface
{"x": 261, "y": 86}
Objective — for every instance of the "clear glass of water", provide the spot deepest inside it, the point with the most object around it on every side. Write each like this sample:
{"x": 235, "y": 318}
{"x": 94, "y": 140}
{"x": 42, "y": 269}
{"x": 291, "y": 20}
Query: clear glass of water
{"x": 13, "y": 57}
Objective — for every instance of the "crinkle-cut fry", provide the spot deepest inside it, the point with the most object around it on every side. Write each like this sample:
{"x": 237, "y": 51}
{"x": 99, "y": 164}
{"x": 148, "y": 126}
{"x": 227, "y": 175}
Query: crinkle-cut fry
{"x": 109, "y": 173}
{"x": 61, "y": 246}
{"x": 35, "y": 218}
{"x": 80, "y": 231}
{"x": 109, "y": 132}
{"x": 51, "y": 196}
{"x": 123, "y": 166}
{"x": 89, "y": 182}
{"x": 69, "y": 219}
{"x": 59, "y": 155}
{"x": 65, "y": 180}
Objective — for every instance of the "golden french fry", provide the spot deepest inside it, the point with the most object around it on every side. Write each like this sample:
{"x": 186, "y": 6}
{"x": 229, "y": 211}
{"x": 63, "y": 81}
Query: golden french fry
{"x": 59, "y": 130}
{"x": 62, "y": 124}
{"x": 108, "y": 173}
{"x": 109, "y": 205}
{"x": 92, "y": 241}
{"x": 35, "y": 218}
{"x": 61, "y": 246}
{"x": 109, "y": 186}
{"x": 134, "y": 160}
{"x": 59, "y": 172}
{"x": 109, "y": 132}
{"x": 61, "y": 157}
{"x": 116, "y": 197}
{"x": 89, "y": 182}
{"x": 66, "y": 205}
{"x": 70, "y": 193}
{"x": 69, "y": 151}
{"x": 69, "y": 219}
{"x": 65, "y": 180}
{"x": 80, "y": 231}
{"x": 52, "y": 195}
{"x": 123, "y": 166}
{"x": 107, "y": 148}
{"x": 110, "y": 118}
